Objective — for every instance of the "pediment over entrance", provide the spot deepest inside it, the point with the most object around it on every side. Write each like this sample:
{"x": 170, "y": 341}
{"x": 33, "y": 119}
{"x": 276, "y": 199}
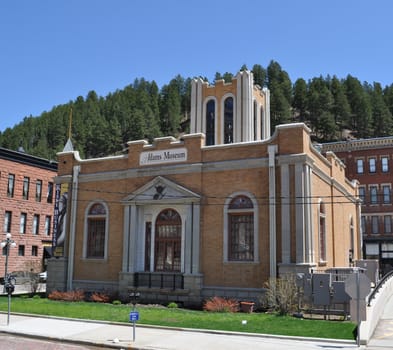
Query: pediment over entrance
{"x": 162, "y": 190}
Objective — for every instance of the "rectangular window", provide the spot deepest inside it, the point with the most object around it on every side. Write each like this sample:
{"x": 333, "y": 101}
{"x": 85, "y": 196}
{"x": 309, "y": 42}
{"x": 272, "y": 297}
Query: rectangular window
{"x": 38, "y": 190}
{"x": 36, "y": 224}
{"x": 362, "y": 194}
{"x": 363, "y": 225}
{"x": 387, "y": 250}
{"x": 22, "y": 225}
{"x": 7, "y": 221}
{"x": 372, "y": 250}
{"x": 387, "y": 222}
{"x": 11, "y": 185}
{"x": 372, "y": 165}
{"x": 385, "y": 164}
{"x": 34, "y": 250}
{"x": 21, "y": 250}
{"x": 96, "y": 238}
{"x": 26, "y": 185}
{"x": 4, "y": 251}
{"x": 48, "y": 221}
{"x": 374, "y": 225}
{"x": 373, "y": 194}
{"x": 241, "y": 245}
{"x": 359, "y": 166}
{"x": 147, "y": 245}
{"x": 49, "y": 196}
{"x": 386, "y": 194}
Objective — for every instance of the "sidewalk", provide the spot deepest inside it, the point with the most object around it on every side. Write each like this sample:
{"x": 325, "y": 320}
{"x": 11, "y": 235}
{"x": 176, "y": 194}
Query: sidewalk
{"x": 120, "y": 336}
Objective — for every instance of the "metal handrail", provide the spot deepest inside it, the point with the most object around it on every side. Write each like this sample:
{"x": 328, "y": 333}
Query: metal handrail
{"x": 381, "y": 282}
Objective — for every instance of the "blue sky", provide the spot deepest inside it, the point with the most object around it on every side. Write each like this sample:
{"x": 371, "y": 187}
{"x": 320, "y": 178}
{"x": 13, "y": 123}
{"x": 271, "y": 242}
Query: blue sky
{"x": 52, "y": 51}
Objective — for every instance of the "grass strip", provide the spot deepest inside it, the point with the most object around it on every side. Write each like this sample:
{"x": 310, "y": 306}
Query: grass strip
{"x": 256, "y": 322}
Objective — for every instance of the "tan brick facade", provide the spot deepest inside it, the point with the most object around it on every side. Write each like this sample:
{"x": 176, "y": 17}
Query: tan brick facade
{"x": 240, "y": 212}
{"x": 207, "y": 179}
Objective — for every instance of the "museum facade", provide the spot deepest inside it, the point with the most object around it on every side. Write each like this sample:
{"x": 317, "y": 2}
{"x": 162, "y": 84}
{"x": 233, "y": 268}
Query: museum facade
{"x": 215, "y": 213}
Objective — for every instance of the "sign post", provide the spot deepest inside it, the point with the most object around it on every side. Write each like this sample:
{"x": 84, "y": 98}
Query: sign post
{"x": 134, "y": 316}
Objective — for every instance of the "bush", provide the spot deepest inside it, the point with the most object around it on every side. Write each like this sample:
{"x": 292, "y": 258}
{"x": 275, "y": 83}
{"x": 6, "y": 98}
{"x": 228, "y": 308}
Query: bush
{"x": 100, "y": 297}
{"x": 281, "y": 294}
{"x": 219, "y": 304}
{"x": 173, "y": 305}
{"x": 116, "y": 302}
{"x": 73, "y": 295}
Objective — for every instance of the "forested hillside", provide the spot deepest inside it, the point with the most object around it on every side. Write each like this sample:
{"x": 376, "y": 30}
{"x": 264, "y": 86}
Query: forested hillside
{"x": 102, "y": 125}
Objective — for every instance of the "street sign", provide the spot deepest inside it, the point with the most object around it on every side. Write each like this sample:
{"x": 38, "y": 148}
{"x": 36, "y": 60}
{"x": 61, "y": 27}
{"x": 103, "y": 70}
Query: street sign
{"x": 134, "y": 316}
{"x": 352, "y": 289}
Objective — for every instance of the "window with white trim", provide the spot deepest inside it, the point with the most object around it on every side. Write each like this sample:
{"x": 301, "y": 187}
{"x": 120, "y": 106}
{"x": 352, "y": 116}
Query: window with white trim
{"x": 359, "y": 166}
{"x": 372, "y": 165}
{"x": 385, "y": 164}
{"x": 363, "y": 223}
{"x": 362, "y": 194}
{"x": 374, "y": 224}
{"x": 387, "y": 223}
{"x": 96, "y": 231}
{"x": 322, "y": 232}
{"x": 228, "y": 120}
{"x": 373, "y": 194}
{"x": 240, "y": 220}
{"x": 167, "y": 243}
{"x": 210, "y": 122}
{"x": 386, "y": 194}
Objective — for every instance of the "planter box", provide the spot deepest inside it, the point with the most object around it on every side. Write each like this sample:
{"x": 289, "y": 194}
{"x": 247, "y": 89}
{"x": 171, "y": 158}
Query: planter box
{"x": 247, "y": 306}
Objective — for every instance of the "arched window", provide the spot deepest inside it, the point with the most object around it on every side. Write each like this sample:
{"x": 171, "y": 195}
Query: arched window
{"x": 228, "y": 120}
{"x": 96, "y": 237}
{"x": 167, "y": 247}
{"x": 352, "y": 240}
{"x": 255, "y": 124}
{"x": 262, "y": 120}
{"x": 210, "y": 122}
{"x": 241, "y": 229}
{"x": 322, "y": 232}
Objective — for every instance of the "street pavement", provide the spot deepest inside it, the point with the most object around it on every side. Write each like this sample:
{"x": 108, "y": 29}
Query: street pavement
{"x": 125, "y": 336}
{"x": 121, "y": 336}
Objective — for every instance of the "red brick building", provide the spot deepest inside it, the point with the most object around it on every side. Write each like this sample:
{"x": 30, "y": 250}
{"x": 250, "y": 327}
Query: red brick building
{"x": 370, "y": 162}
{"x": 26, "y": 208}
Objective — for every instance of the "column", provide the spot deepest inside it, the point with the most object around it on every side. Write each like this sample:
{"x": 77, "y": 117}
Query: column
{"x": 285, "y": 215}
{"x": 272, "y": 149}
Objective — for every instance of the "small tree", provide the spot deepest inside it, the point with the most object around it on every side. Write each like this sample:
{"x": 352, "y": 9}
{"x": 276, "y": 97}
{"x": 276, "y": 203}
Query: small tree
{"x": 33, "y": 267}
{"x": 281, "y": 294}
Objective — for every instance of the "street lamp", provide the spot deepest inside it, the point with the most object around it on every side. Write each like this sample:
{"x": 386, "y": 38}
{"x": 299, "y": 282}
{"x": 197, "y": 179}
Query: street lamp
{"x": 9, "y": 281}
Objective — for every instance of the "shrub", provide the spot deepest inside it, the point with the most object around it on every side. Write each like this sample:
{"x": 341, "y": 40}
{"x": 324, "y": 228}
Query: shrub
{"x": 116, "y": 302}
{"x": 281, "y": 294}
{"x": 219, "y": 304}
{"x": 100, "y": 297}
{"x": 73, "y": 295}
{"x": 173, "y": 305}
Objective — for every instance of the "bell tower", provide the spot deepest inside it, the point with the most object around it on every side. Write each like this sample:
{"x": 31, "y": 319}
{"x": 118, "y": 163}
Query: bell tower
{"x": 233, "y": 112}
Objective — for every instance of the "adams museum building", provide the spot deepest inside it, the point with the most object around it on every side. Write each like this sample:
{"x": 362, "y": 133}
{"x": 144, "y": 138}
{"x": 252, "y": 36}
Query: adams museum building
{"x": 214, "y": 213}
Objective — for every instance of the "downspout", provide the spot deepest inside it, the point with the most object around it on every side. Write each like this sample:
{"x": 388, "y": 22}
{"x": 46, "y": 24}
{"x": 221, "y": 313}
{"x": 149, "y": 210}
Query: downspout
{"x": 272, "y": 149}
{"x": 71, "y": 248}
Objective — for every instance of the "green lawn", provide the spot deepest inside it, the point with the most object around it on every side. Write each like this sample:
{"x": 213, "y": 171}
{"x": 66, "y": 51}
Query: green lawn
{"x": 177, "y": 317}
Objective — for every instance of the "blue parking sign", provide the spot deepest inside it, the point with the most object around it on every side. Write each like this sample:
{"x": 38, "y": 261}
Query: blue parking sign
{"x": 134, "y": 316}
